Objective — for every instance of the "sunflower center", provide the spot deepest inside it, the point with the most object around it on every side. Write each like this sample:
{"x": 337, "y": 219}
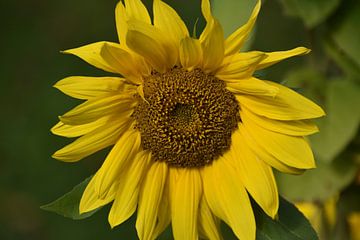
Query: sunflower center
{"x": 188, "y": 117}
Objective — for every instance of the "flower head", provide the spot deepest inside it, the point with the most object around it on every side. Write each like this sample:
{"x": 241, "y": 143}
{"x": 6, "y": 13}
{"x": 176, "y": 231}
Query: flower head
{"x": 193, "y": 132}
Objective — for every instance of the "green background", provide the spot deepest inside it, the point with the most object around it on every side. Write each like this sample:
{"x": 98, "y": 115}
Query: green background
{"x": 35, "y": 31}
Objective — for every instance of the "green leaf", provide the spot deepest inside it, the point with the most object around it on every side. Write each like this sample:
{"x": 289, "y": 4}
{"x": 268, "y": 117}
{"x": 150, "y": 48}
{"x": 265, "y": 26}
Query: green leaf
{"x": 291, "y": 224}
{"x": 68, "y": 204}
{"x": 318, "y": 184}
{"x": 345, "y": 30}
{"x": 232, "y": 14}
{"x": 312, "y": 12}
{"x": 340, "y": 125}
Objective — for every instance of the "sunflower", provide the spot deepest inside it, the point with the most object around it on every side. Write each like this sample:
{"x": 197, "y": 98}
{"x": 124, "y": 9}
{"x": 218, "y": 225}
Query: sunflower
{"x": 194, "y": 133}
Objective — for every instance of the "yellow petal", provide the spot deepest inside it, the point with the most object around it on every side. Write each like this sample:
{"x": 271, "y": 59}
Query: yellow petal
{"x": 212, "y": 43}
{"x": 120, "y": 155}
{"x": 228, "y": 199}
{"x": 89, "y": 87}
{"x": 96, "y": 108}
{"x": 127, "y": 64}
{"x": 241, "y": 65}
{"x": 251, "y": 86}
{"x": 209, "y": 225}
{"x": 293, "y": 128}
{"x": 186, "y": 192}
{"x": 190, "y": 53}
{"x": 262, "y": 154}
{"x": 135, "y": 9}
{"x": 256, "y": 175}
{"x": 90, "y": 201}
{"x": 206, "y": 10}
{"x": 70, "y": 131}
{"x": 294, "y": 151}
{"x": 211, "y": 39}
{"x": 92, "y": 142}
{"x": 164, "y": 213}
{"x": 236, "y": 40}
{"x": 286, "y": 105}
{"x": 275, "y": 57}
{"x": 126, "y": 198}
{"x": 121, "y": 23}
{"x": 91, "y": 54}
{"x": 150, "y": 197}
{"x": 169, "y": 22}
{"x": 149, "y": 42}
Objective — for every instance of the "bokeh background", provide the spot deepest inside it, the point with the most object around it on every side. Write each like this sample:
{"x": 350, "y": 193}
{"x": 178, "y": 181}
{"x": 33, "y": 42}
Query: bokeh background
{"x": 33, "y": 33}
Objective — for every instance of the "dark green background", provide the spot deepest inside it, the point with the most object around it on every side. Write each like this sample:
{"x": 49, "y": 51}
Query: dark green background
{"x": 32, "y": 36}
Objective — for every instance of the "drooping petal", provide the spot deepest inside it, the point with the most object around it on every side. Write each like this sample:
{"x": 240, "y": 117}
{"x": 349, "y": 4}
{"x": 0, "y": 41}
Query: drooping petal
{"x": 151, "y": 194}
{"x": 209, "y": 225}
{"x": 239, "y": 66}
{"x": 190, "y": 53}
{"x": 252, "y": 86}
{"x": 70, "y": 131}
{"x": 286, "y": 105}
{"x": 126, "y": 198}
{"x": 121, "y": 23}
{"x": 124, "y": 151}
{"x": 89, "y": 87}
{"x": 151, "y": 43}
{"x": 228, "y": 199}
{"x": 294, "y": 151}
{"x": 186, "y": 192}
{"x": 96, "y": 108}
{"x": 169, "y": 22}
{"x": 275, "y": 57}
{"x": 91, "y": 54}
{"x": 256, "y": 175}
{"x": 293, "y": 128}
{"x": 90, "y": 201}
{"x": 135, "y": 9}
{"x": 265, "y": 156}
{"x": 92, "y": 142}
{"x": 237, "y": 39}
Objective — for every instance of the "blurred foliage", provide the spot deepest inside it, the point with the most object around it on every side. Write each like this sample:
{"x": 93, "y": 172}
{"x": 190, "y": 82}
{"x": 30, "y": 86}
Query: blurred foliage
{"x": 34, "y": 33}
